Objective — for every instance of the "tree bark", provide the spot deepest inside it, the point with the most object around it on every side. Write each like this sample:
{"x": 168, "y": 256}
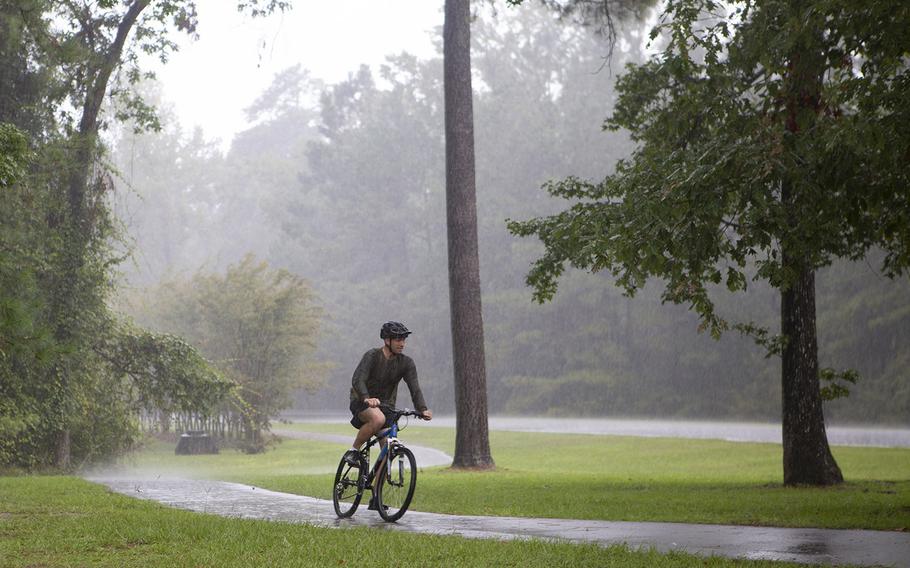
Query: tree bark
{"x": 63, "y": 449}
{"x": 472, "y": 444}
{"x": 807, "y": 456}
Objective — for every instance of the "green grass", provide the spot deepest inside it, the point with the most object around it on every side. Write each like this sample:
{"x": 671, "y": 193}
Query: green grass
{"x": 597, "y": 477}
{"x": 632, "y": 479}
{"x": 287, "y": 458}
{"x": 62, "y": 521}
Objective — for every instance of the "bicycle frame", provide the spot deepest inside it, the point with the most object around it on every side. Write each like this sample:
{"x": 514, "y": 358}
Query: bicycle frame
{"x": 399, "y": 484}
{"x": 390, "y": 435}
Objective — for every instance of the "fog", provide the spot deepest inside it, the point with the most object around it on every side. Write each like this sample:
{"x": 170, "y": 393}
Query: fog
{"x": 338, "y": 176}
{"x": 213, "y": 77}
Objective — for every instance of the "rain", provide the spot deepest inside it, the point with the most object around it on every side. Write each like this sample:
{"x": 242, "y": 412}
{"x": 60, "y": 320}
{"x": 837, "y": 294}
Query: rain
{"x": 639, "y": 268}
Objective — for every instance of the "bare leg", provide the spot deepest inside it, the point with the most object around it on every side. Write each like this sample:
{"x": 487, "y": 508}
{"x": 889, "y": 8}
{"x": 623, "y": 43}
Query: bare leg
{"x": 373, "y": 419}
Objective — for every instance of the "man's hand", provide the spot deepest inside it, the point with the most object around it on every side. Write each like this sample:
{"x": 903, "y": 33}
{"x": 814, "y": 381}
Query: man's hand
{"x": 427, "y": 414}
{"x": 372, "y": 402}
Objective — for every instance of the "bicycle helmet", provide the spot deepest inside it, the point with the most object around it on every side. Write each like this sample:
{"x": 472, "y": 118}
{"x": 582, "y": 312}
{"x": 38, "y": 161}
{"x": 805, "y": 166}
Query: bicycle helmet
{"x": 393, "y": 330}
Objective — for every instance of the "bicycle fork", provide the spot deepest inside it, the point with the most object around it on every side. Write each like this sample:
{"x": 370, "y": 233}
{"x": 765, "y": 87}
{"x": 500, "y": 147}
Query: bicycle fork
{"x": 383, "y": 461}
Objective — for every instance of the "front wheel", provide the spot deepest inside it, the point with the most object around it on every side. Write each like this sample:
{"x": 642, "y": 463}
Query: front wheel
{"x": 347, "y": 490}
{"x": 397, "y": 481}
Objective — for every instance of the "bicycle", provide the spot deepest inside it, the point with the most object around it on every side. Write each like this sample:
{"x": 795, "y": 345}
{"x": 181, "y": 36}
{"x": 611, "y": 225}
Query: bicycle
{"x": 397, "y": 474}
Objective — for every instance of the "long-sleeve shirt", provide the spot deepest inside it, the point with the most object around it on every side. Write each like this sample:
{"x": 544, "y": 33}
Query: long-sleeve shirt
{"x": 378, "y": 377}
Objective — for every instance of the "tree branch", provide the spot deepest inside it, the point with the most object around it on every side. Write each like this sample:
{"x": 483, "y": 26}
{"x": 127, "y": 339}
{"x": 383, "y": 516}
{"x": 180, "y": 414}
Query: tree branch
{"x": 95, "y": 96}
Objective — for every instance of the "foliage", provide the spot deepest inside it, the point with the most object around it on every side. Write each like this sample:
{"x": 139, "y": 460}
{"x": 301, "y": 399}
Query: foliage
{"x": 315, "y": 182}
{"x": 114, "y": 370}
{"x": 14, "y": 155}
{"x": 166, "y": 373}
{"x": 341, "y": 207}
{"x": 769, "y": 133}
{"x": 600, "y": 15}
{"x": 31, "y": 90}
{"x": 833, "y": 382}
{"x": 63, "y": 402}
{"x": 700, "y": 200}
{"x": 26, "y": 347}
{"x": 258, "y": 325}
{"x": 90, "y": 47}
{"x": 700, "y": 196}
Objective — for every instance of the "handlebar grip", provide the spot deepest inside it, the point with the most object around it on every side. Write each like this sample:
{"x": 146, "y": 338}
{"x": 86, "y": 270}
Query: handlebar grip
{"x": 403, "y": 411}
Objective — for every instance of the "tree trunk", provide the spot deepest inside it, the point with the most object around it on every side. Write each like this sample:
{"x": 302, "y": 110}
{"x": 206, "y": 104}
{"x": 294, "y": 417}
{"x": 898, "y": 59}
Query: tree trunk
{"x": 472, "y": 443}
{"x": 63, "y": 450}
{"x": 807, "y": 456}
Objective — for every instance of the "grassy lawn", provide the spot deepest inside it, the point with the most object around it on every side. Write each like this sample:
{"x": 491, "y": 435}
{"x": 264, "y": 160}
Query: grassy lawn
{"x": 603, "y": 477}
{"x": 63, "y": 521}
{"x": 287, "y": 458}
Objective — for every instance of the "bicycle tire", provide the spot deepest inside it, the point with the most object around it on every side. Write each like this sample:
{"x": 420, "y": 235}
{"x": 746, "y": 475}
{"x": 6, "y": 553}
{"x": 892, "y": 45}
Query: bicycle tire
{"x": 347, "y": 490}
{"x": 394, "y": 493}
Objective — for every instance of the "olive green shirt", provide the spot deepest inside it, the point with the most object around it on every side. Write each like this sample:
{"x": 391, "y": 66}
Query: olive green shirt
{"x": 378, "y": 377}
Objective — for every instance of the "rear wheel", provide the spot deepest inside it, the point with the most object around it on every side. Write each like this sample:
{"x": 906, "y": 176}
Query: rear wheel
{"x": 347, "y": 491}
{"x": 397, "y": 481}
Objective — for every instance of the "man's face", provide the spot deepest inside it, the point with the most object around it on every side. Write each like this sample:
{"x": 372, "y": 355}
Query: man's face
{"x": 396, "y": 345}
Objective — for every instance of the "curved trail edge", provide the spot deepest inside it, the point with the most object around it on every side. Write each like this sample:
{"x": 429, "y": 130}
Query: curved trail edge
{"x": 811, "y": 546}
{"x": 815, "y": 546}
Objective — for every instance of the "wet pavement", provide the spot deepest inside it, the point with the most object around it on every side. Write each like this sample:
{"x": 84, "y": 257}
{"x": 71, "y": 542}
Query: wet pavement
{"x": 814, "y": 546}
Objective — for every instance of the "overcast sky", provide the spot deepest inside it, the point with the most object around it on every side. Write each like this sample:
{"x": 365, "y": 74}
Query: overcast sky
{"x": 210, "y": 81}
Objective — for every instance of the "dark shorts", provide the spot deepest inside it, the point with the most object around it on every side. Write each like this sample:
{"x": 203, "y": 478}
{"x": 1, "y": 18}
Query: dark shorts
{"x": 358, "y": 406}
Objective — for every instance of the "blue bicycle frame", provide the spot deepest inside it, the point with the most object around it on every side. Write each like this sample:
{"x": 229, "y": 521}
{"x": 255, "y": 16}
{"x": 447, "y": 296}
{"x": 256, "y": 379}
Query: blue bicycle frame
{"x": 397, "y": 486}
{"x": 390, "y": 433}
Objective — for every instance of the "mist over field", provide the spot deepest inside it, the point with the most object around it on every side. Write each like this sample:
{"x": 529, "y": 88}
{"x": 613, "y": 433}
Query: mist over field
{"x": 342, "y": 185}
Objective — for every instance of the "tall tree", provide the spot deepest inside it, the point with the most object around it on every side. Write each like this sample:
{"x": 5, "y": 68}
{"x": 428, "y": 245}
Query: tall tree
{"x": 88, "y": 48}
{"x": 105, "y": 55}
{"x": 472, "y": 441}
{"x": 773, "y": 139}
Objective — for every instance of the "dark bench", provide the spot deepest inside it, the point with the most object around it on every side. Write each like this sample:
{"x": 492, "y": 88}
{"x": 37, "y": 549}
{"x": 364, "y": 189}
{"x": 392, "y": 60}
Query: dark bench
{"x": 195, "y": 442}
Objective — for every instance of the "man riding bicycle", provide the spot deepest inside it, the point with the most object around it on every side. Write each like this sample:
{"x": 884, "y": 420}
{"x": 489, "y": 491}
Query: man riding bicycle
{"x": 375, "y": 383}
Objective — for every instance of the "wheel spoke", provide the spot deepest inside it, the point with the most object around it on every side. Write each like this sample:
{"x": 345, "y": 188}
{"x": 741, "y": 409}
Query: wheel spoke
{"x": 347, "y": 491}
{"x": 397, "y": 483}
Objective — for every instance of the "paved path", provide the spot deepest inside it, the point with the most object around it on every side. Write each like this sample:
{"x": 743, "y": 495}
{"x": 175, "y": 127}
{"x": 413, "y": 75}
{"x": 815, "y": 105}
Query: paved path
{"x": 698, "y": 429}
{"x": 834, "y": 547}
{"x": 880, "y": 436}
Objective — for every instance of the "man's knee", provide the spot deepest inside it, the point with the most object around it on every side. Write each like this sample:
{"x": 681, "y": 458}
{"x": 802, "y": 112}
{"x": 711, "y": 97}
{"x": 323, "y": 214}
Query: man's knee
{"x": 374, "y": 418}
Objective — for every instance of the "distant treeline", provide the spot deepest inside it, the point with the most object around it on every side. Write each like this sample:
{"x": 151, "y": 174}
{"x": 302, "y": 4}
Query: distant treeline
{"x": 344, "y": 185}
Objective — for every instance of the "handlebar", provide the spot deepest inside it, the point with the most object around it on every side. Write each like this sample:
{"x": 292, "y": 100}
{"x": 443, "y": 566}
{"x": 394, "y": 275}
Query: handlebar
{"x": 400, "y": 412}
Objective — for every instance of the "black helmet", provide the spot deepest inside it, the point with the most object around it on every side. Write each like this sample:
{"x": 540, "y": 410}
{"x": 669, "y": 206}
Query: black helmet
{"x": 393, "y": 330}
